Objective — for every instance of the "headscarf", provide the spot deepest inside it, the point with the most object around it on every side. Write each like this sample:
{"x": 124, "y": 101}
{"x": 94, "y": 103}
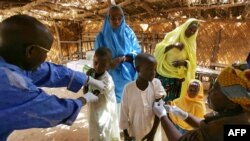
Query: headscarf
{"x": 164, "y": 60}
{"x": 121, "y": 41}
{"x": 235, "y": 85}
{"x": 194, "y": 106}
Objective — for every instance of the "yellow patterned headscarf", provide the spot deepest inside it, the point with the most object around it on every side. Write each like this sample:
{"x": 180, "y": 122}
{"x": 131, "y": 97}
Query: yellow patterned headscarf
{"x": 235, "y": 85}
{"x": 194, "y": 106}
{"x": 164, "y": 60}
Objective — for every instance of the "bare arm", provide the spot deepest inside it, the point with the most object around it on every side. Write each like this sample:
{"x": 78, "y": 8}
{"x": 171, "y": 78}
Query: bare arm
{"x": 169, "y": 47}
{"x": 193, "y": 121}
{"x": 177, "y": 45}
{"x": 126, "y": 135}
{"x": 170, "y": 130}
{"x": 150, "y": 136}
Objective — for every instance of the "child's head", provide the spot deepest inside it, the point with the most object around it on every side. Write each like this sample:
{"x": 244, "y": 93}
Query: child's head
{"x": 102, "y": 59}
{"x": 193, "y": 88}
{"x": 146, "y": 66}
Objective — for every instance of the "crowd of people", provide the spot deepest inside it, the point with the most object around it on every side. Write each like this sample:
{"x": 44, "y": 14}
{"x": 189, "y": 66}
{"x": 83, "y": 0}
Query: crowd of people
{"x": 142, "y": 96}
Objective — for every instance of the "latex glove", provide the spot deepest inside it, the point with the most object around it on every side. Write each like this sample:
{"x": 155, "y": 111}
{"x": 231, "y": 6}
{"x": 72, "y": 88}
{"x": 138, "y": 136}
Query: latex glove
{"x": 178, "y": 112}
{"x": 96, "y": 83}
{"x": 90, "y": 97}
{"x": 168, "y": 107}
{"x": 159, "y": 109}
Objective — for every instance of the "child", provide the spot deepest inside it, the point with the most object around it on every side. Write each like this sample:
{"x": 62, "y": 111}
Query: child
{"x": 192, "y": 102}
{"x": 137, "y": 117}
{"x": 103, "y": 118}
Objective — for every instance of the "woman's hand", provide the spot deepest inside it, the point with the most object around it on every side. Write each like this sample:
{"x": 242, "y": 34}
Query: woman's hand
{"x": 177, "y": 45}
{"x": 119, "y": 60}
{"x": 179, "y": 63}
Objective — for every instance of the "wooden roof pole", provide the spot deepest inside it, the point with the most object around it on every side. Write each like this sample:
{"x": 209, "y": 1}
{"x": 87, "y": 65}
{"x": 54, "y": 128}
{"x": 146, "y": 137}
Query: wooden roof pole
{"x": 145, "y": 6}
{"x": 127, "y": 2}
{"x": 224, "y": 6}
{"x": 111, "y": 2}
{"x": 26, "y": 7}
{"x": 58, "y": 42}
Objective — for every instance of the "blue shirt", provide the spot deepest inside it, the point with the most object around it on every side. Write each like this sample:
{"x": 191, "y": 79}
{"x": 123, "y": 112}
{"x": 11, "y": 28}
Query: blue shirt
{"x": 24, "y": 105}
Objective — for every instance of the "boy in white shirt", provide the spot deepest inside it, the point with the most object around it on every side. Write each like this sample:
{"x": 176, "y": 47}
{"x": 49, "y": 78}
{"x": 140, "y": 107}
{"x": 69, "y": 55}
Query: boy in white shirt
{"x": 137, "y": 117}
{"x": 102, "y": 114}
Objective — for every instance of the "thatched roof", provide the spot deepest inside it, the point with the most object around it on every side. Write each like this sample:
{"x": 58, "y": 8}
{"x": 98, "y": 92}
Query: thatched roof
{"x": 136, "y": 10}
{"x": 223, "y": 36}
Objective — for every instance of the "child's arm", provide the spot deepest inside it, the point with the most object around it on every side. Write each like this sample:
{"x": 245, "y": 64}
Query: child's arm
{"x": 150, "y": 136}
{"x": 127, "y": 137}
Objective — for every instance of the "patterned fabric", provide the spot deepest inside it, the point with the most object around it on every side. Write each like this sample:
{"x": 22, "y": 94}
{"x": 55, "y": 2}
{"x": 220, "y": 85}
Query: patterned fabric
{"x": 235, "y": 84}
{"x": 164, "y": 60}
{"x": 172, "y": 87}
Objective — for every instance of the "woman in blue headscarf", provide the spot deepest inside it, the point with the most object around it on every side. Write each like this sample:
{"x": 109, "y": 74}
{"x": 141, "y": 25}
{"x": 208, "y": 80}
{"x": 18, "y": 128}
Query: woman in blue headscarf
{"x": 121, "y": 40}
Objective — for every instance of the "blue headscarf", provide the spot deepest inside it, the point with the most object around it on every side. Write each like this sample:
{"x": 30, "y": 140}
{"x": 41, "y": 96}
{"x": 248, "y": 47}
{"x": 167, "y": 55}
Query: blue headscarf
{"x": 121, "y": 41}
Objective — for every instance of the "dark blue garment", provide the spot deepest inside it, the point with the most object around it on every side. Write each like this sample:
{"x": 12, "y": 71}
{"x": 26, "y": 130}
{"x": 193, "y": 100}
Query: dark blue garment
{"x": 23, "y": 105}
{"x": 122, "y": 42}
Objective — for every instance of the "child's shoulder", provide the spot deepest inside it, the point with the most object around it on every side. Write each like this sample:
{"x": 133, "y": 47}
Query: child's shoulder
{"x": 106, "y": 77}
{"x": 156, "y": 81}
{"x": 130, "y": 84}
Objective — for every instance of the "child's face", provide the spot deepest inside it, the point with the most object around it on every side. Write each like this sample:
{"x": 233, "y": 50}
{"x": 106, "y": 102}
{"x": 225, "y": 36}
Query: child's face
{"x": 193, "y": 89}
{"x": 101, "y": 64}
{"x": 147, "y": 70}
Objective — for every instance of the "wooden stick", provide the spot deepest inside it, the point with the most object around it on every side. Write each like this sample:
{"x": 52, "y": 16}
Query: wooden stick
{"x": 58, "y": 43}
{"x": 26, "y": 7}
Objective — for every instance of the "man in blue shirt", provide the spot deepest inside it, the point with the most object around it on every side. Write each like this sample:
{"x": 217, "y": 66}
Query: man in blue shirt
{"x": 24, "y": 44}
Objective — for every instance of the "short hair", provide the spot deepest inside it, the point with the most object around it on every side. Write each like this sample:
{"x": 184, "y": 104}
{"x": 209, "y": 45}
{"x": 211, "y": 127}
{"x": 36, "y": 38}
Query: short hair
{"x": 104, "y": 52}
{"x": 24, "y": 29}
{"x": 19, "y": 31}
{"x": 144, "y": 57}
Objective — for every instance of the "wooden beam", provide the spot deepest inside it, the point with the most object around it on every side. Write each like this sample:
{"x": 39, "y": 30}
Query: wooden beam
{"x": 26, "y": 7}
{"x": 222, "y": 6}
{"x": 152, "y": 1}
{"x": 145, "y": 6}
{"x": 58, "y": 43}
{"x": 125, "y": 3}
{"x": 216, "y": 47}
{"x": 111, "y": 2}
